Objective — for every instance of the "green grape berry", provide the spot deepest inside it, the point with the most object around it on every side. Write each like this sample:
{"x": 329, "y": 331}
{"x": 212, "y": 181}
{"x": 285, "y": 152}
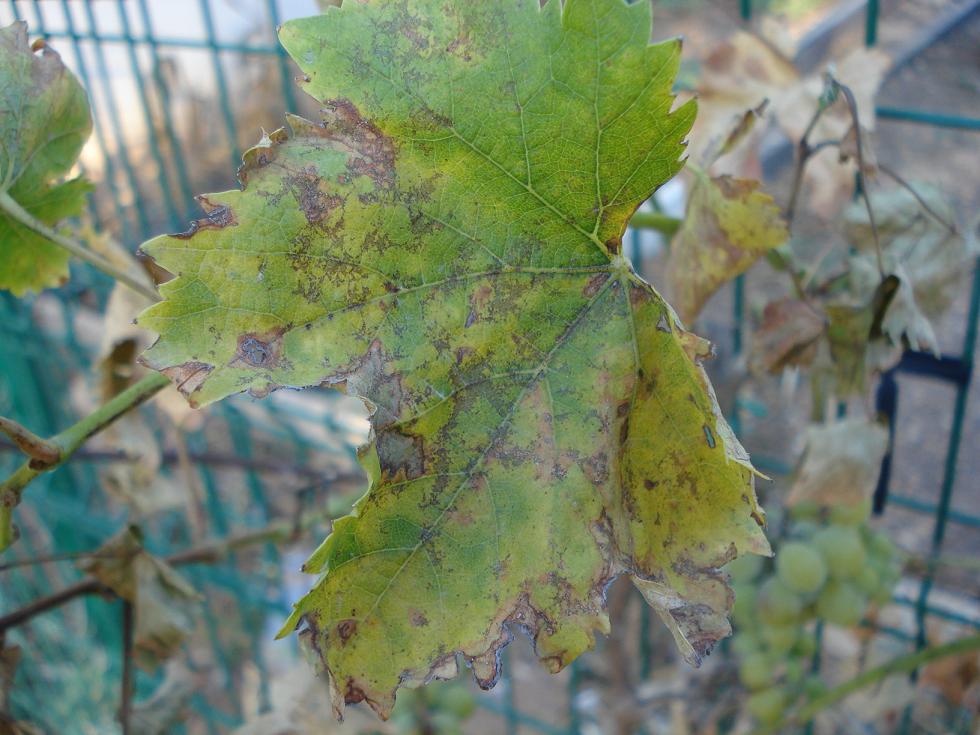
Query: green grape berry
{"x": 852, "y": 514}
{"x": 805, "y": 510}
{"x": 778, "y": 604}
{"x": 781, "y": 638}
{"x": 457, "y": 700}
{"x": 841, "y": 603}
{"x": 746, "y": 643}
{"x": 795, "y": 671}
{"x": 755, "y": 671}
{"x": 806, "y": 646}
{"x": 744, "y": 610}
{"x": 803, "y": 529}
{"x": 868, "y": 581}
{"x": 801, "y": 567}
{"x": 768, "y": 705}
{"x": 814, "y": 686}
{"x": 881, "y": 547}
{"x": 842, "y": 550}
{"x": 744, "y": 568}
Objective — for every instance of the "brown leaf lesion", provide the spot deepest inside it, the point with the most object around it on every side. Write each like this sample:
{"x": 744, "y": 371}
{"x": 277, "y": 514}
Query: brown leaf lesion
{"x": 216, "y": 217}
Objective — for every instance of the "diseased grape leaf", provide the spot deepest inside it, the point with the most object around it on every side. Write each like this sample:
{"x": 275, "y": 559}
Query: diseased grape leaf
{"x": 446, "y": 245}
{"x": 728, "y": 225}
{"x": 840, "y": 464}
{"x": 44, "y": 122}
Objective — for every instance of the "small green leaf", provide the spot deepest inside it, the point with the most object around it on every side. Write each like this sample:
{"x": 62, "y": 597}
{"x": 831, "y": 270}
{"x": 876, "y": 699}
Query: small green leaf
{"x": 446, "y": 245}
{"x": 44, "y": 122}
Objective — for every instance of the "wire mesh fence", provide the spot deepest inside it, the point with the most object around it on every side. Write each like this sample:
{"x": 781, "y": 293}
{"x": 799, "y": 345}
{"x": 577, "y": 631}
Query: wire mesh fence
{"x": 179, "y": 89}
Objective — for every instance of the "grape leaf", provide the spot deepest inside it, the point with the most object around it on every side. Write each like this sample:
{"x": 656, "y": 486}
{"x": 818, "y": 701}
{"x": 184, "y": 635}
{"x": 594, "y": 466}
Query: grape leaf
{"x": 788, "y": 335}
{"x": 840, "y": 464}
{"x": 746, "y": 69}
{"x": 923, "y": 247}
{"x": 44, "y": 122}
{"x": 446, "y": 244}
{"x": 160, "y": 596}
{"x": 728, "y": 225}
{"x": 924, "y": 256}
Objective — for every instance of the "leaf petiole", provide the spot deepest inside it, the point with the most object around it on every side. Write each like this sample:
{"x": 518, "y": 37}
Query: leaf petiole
{"x": 662, "y": 223}
{"x": 67, "y": 442}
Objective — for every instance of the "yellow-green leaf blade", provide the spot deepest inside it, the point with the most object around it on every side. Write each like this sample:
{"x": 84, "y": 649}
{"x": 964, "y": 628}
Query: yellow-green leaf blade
{"x": 445, "y": 245}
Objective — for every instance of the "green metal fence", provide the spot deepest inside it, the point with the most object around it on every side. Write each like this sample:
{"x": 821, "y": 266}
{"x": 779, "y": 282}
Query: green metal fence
{"x": 138, "y": 198}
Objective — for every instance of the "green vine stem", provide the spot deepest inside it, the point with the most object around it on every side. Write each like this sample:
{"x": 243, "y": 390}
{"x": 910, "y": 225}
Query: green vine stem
{"x": 662, "y": 223}
{"x": 66, "y": 443}
{"x": 901, "y": 665}
{"x": 9, "y": 205}
{"x": 28, "y": 442}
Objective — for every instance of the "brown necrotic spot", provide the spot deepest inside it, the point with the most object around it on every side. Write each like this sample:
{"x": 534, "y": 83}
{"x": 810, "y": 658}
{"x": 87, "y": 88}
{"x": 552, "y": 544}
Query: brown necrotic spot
{"x": 260, "y": 350}
{"x": 188, "y": 376}
{"x": 594, "y": 284}
{"x": 316, "y": 204}
{"x": 216, "y": 217}
{"x": 345, "y": 629}
{"x": 372, "y": 152}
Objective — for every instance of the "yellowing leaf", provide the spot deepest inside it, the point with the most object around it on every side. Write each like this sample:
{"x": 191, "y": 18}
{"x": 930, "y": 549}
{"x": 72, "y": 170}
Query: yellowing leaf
{"x": 44, "y": 122}
{"x": 729, "y": 224}
{"x": 446, "y": 245}
{"x": 840, "y": 464}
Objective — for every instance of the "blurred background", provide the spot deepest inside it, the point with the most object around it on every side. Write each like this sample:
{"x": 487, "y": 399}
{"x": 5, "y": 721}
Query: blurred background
{"x": 179, "y": 88}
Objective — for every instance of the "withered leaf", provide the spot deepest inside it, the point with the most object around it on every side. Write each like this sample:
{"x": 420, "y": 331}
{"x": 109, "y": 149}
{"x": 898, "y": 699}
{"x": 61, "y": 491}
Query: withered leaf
{"x": 840, "y": 464}
{"x": 163, "y": 600}
{"x": 787, "y": 336}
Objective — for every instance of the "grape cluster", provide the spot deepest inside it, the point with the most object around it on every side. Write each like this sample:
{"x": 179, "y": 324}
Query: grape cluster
{"x": 830, "y": 566}
{"x": 436, "y": 709}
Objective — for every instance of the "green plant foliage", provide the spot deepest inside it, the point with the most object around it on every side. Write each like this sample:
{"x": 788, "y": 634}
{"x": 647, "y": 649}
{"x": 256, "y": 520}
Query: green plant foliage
{"x": 445, "y": 244}
{"x": 44, "y": 122}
